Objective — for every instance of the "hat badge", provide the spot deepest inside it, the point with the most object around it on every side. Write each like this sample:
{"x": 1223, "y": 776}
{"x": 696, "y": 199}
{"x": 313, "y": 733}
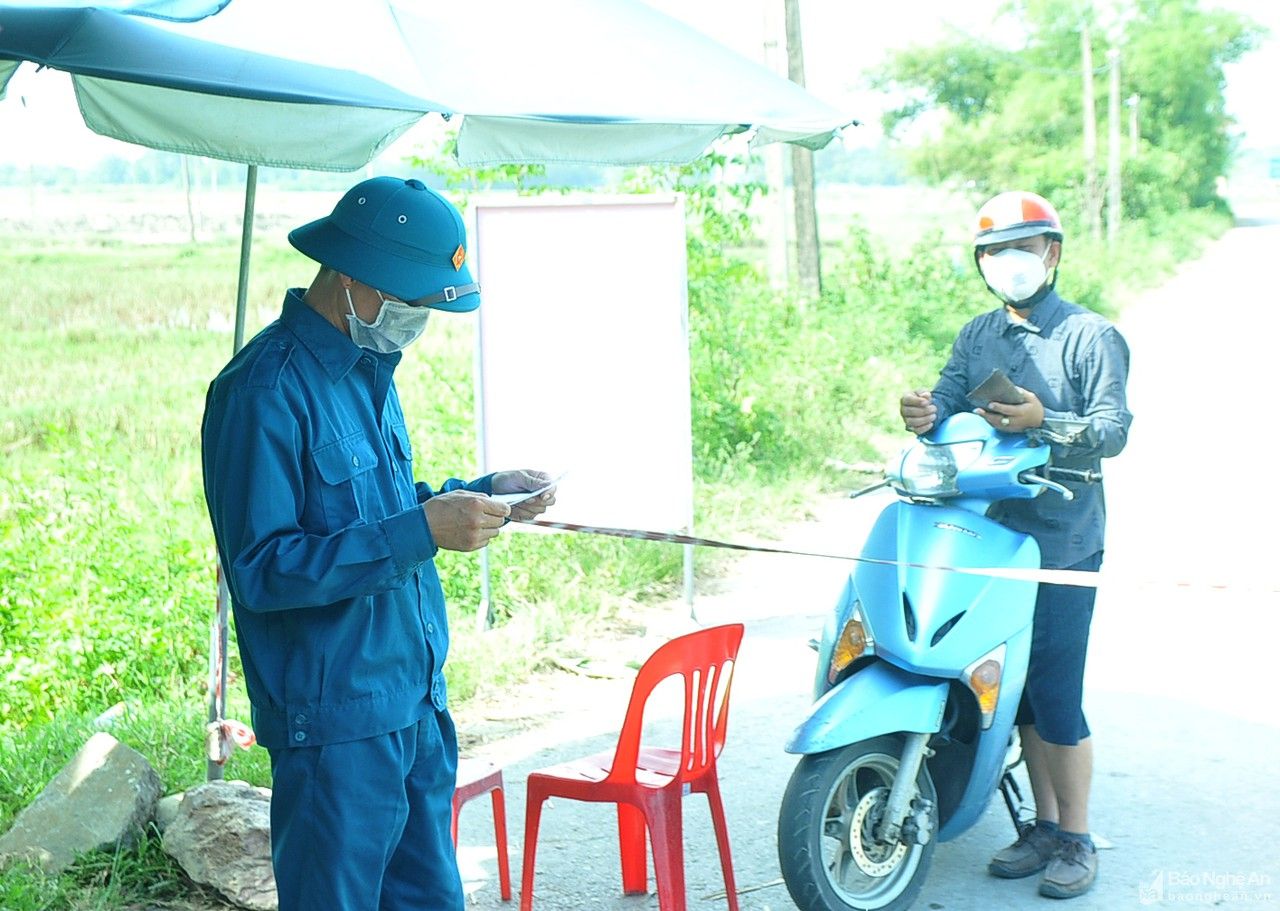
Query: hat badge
{"x": 459, "y": 257}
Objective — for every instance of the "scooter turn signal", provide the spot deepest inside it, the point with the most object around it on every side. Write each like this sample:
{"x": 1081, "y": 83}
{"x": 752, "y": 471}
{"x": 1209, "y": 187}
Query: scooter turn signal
{"x": 983, "y": 678}
{"x": 852, "y": 645}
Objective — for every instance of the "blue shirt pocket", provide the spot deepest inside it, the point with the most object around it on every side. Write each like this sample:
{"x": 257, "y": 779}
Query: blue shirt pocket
{"x": 344, "y": 466}
{"x": 403, "y": 448}
{"x": 402, "y": 465}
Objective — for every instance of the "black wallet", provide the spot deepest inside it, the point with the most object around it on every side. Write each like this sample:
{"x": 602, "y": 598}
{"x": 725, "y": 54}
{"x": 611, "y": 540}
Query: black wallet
{"x": 995, "y": 388}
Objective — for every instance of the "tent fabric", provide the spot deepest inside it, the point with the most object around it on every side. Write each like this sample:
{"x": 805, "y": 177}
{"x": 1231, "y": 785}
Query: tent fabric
{"x": 191, "y": 56}
{"x": 321, "y": 83}
{"x": 7, "y": 69}
{"x": 173, "y": 10}
{"x": 486, "y": 141}
{"x": 274, "y": 133}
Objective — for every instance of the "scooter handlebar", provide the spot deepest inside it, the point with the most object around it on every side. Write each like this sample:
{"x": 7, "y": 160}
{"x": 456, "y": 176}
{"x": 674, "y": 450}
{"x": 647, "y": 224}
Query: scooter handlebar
{"x": 1082, "y": 475}
{"x": 1045, "y": 479}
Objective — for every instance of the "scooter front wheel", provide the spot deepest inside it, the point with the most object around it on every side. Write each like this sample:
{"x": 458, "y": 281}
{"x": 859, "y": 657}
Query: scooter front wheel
{"x": 831, "y": 856}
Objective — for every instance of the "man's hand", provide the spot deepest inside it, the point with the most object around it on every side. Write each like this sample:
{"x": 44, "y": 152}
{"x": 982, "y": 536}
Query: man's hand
{"x": 1015, "y": 418}
{"x": 918, "y": 411}
{"x": 464, "y": 520}
{"x": 522, "y": 480}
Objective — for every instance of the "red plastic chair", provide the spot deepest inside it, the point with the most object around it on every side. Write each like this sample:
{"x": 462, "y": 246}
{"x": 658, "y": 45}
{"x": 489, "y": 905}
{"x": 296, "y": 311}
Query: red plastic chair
{"x": 474, "y": 779}
{"x": 647, "y": 783}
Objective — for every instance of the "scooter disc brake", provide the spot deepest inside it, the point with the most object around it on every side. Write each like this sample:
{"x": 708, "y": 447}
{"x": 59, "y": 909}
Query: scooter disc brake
{"x": 874, "y": 858}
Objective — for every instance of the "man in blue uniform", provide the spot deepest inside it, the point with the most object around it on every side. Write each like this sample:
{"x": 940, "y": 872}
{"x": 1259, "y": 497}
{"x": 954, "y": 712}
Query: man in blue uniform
{"x": 1068, "y": 363}
{"x": 328, "y": 547}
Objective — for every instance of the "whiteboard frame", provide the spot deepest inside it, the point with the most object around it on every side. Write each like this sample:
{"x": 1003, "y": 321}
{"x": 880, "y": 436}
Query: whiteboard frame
{"x": 584, "y": 201}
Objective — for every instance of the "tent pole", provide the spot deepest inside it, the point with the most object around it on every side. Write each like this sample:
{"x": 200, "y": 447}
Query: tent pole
{"x": 218, "y": 698}
{"x": 246, "y": 241}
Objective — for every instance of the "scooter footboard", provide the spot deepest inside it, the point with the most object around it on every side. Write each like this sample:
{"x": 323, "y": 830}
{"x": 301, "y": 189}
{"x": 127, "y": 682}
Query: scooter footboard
{"x": 879, "y": 699}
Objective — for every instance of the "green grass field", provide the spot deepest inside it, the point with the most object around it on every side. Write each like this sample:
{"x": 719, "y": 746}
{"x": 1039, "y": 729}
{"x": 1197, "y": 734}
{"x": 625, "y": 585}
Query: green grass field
{"x": 109, "y": 575}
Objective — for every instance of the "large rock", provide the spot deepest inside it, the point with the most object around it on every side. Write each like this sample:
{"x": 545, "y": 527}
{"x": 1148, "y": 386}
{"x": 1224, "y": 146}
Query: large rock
{"x": 221, "y": 835}
{"x": 103, "y": 797}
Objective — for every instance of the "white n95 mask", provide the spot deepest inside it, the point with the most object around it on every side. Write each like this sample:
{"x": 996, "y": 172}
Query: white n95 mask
{"x": 396, "y": 326}
{"x": 1015, "y": 274}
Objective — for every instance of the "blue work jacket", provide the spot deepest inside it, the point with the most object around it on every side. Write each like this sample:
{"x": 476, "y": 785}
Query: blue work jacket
{"x": 324, "y": 544}
{"x": 1077, "y": 364}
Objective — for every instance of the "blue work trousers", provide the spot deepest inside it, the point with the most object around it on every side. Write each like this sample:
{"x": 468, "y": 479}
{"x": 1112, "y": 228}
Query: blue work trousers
{"x": 364, "y": 825}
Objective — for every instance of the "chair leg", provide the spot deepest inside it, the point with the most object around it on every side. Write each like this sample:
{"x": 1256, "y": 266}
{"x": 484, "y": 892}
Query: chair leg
{"x": 631, "y": 848}
{"x": 500, "y": 832}
{"x": 532, "y": 815}
{"x": 666, "y": 831}
{"x": 722, "y": 837}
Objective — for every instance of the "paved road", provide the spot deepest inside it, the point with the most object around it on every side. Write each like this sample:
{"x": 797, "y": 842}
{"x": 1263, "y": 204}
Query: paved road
{"x": 1180, "y": 692}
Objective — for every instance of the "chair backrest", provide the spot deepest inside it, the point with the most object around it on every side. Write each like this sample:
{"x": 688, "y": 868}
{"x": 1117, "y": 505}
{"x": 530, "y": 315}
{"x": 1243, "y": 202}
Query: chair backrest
{"x": 705, "y": 660}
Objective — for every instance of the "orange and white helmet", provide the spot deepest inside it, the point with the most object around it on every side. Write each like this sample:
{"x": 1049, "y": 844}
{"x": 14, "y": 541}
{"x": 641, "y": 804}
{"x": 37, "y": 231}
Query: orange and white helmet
{"x": 1015, "y": 215}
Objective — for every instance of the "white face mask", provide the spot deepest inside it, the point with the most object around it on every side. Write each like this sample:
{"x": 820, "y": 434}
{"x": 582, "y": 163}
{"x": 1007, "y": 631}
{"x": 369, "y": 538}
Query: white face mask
{"x": 1015, "y": 274}
{"x": 396, "y": 325}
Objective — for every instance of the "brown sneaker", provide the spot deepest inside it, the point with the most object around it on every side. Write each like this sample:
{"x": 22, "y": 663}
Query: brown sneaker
{"x": 1029, "y": 854}
{"x": 1072, "y": 870}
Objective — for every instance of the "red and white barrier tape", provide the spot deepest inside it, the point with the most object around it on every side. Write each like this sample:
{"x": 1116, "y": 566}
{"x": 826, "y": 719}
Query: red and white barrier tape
{"x": 221, "y": 737}
{"x": 1075, "y": 577}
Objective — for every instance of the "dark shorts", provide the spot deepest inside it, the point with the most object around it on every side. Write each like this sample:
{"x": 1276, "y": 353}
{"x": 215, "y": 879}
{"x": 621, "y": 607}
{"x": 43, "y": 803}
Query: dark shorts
{"x": 1054, "y": 694}
{"x": 365, "y": 826}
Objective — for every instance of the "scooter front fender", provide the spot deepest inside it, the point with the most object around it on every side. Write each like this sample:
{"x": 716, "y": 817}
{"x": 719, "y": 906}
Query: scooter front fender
{"x": 879, "y": 699}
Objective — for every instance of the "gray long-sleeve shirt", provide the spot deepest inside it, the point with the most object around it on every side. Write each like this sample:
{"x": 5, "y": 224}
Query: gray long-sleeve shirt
{"x": 1077, "y": 363}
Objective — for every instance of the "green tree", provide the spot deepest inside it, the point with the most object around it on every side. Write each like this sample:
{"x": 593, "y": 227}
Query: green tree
{"x": 1013, "y": 116}
{"x": 1175, "y": 53}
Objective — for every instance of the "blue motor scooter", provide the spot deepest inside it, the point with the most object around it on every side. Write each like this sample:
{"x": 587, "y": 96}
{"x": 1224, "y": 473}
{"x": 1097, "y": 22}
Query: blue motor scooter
{"x": 920, "y": 671}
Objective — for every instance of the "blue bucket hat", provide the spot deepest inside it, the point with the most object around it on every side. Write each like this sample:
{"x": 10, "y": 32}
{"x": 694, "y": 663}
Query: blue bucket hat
{"x": 400, "y": 237}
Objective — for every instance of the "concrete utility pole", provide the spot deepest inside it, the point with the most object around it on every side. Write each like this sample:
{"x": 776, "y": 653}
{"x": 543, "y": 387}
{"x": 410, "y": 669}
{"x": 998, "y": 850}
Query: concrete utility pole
{"x": 808, "y": 264}
{"x": 1114, "y": 210}
{"x": 1092, "y": 190}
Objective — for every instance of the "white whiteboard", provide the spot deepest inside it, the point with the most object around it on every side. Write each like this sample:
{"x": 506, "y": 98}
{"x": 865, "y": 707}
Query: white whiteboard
{"x": 583, "y": 353}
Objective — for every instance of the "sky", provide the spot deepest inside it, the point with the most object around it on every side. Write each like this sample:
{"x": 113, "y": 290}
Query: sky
{"x": 39, "y": 123}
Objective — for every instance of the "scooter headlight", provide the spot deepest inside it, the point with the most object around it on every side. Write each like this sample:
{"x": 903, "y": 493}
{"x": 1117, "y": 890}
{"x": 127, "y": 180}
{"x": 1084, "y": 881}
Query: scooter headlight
{"x": 930, "y": 469}
{"x": 854, "y": 642}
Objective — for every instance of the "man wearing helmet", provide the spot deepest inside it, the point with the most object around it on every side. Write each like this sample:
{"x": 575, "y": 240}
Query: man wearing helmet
{"x": 328, "y": 547}
{"x": 1068, "y": 363}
